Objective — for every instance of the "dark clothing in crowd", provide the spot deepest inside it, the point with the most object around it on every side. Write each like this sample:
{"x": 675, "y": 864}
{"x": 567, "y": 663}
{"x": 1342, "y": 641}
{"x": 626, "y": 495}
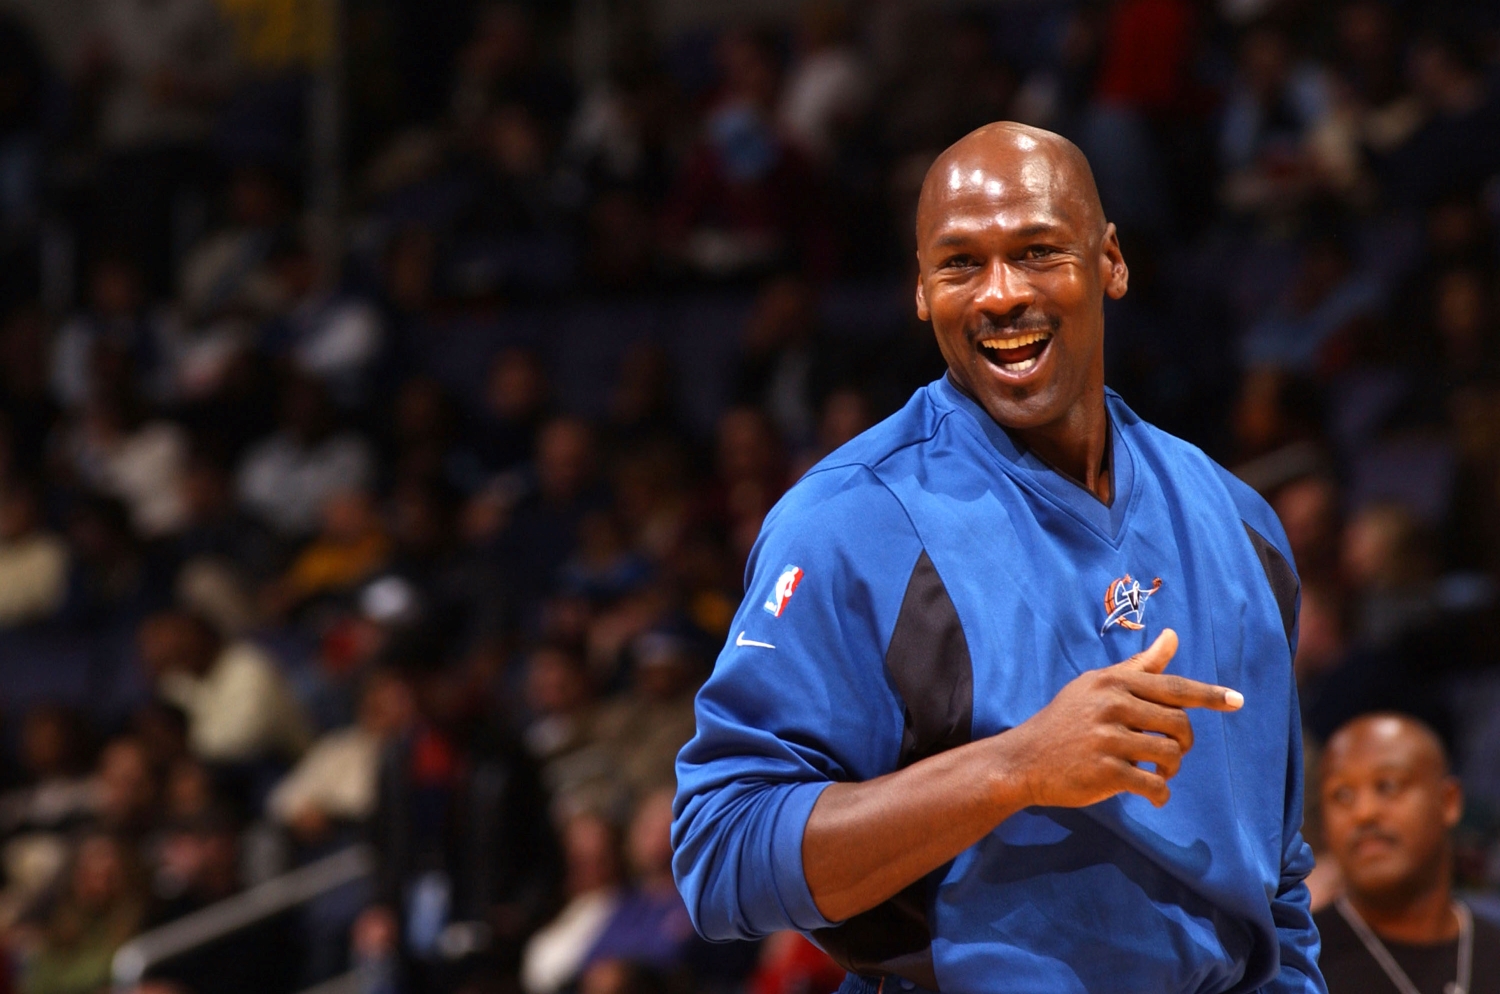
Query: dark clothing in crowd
{"x": 1349, "y": 968}
{"x": 463, "y": 836}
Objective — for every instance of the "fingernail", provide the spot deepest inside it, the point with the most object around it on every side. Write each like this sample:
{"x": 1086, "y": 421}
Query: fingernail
{"x": 1234, "y": 698}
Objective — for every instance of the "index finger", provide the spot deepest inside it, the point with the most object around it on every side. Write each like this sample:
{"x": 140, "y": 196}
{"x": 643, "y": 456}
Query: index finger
{"x": 1180, "y": 692}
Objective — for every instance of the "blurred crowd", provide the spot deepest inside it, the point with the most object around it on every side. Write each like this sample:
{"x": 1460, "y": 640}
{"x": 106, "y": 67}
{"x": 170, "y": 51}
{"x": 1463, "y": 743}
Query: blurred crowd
{"x": 405, "y": 501}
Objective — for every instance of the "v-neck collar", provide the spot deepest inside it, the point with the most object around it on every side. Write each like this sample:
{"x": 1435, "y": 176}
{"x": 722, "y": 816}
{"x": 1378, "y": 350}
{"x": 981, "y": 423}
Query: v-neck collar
{"x": 1036, "y": 474}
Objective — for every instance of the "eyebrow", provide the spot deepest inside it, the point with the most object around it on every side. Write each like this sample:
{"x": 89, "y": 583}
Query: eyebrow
{"x": 961, "y": 237}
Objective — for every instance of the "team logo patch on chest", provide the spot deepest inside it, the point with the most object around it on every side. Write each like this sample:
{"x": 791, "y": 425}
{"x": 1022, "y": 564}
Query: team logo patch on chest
{"x": 1125, "y": 603}
{"x": 786, "y": 585}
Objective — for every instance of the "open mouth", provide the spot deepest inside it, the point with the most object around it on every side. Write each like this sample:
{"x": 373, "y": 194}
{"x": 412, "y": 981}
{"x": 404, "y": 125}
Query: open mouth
{"x": 1016, "y": 354}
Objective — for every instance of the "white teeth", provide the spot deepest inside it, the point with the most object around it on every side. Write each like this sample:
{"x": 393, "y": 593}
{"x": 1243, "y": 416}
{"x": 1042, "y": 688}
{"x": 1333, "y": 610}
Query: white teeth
{"x": 1017, "y": 341}
{"x": 1019, "y": 367}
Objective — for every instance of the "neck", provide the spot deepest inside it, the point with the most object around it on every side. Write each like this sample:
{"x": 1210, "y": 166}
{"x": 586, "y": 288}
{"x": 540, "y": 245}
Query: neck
{"x": 1422, "y": 919}
{"x": 1076, "y": 445}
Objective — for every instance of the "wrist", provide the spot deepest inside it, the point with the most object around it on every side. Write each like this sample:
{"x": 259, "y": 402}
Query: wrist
{"x": 1008, "y": 781}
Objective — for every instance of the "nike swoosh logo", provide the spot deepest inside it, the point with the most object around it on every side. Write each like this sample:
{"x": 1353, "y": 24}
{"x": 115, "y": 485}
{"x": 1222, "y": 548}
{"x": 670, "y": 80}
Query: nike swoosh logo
{"x": 741, "y": 640}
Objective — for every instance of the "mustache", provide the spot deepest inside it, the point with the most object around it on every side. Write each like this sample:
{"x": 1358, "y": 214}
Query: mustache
{"x": 1365, "y": 834}
{"x": 988, "y": 326}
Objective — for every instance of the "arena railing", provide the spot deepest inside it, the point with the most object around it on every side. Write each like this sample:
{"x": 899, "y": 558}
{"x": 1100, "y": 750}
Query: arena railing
{"x": 135, "y": 958}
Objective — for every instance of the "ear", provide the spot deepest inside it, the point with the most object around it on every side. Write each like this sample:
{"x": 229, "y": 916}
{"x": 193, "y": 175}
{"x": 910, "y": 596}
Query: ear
{"x": 924, "y": 313}
{"x": 1113, "y": 272}
{"x": 1453, "y": 802}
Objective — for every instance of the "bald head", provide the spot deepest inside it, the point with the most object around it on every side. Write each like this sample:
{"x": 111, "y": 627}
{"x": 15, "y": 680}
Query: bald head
{"x": 1006, "y": 153}
{"x": 1387, "y": 732}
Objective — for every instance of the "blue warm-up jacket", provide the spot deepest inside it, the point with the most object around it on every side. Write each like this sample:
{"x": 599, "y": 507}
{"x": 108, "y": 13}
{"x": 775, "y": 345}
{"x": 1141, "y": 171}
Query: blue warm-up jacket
{"x": 931, "y": 583}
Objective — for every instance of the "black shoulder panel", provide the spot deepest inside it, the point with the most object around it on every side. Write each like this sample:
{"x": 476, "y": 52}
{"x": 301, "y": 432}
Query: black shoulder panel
{"x": 928, "y": 660}
{"x": 1280, "y": 576}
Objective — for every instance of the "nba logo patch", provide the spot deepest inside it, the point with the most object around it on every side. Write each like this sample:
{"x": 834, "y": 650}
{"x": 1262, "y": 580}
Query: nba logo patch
{"x": 786, "y": 585}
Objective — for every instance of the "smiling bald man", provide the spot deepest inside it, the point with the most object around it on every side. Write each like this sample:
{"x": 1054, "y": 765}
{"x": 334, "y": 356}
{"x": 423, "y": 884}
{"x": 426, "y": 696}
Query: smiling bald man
{"x": 1008, "y": 706}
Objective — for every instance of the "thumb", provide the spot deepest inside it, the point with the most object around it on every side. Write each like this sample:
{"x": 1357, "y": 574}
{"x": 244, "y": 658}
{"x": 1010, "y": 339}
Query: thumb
{"x": 1156, "y": 656}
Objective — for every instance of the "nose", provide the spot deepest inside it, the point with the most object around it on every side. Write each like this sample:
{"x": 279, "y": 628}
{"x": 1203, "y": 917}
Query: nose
{"x": 1366, "y": 807}
{"x": 1005, "y": 293}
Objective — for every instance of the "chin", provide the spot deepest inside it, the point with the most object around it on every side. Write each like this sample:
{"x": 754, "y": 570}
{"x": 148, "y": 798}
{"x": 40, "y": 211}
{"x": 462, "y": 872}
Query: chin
{"x": 1380, "y": 886}
{"x": 1036, "y": 411}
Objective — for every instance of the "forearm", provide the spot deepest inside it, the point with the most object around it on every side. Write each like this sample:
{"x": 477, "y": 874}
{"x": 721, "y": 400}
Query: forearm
{"x": 865, "y": 842}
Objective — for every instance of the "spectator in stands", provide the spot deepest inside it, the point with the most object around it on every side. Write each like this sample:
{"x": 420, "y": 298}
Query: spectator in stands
{"x": 828, "y": 86}
{"x": 216, "y": 529}
{"x": 326, "y": 331}
{"x": 1321, "y": 639}
{"x": 229, "y": 271}
{"x": 119, "y": 327}
{"x": 198, "y": 867}
{"x": 516, "y": 406}
{"x": 111, "y": 580}
{"x": 746, "y": 201}
{"x": 1308, "y": 509}
{"x": 333, "y": 787}
{"x": 285, "y": 479}
{"x": 454, "y": 594}
{"x": 351, "y": 546}
{"x": 603, "y": 566}
{"x": 786, "y": 368}
{"x": 651, "y": 496}
{"x": 845, "y": 413}
{"x": 1387, "y": 563}
{"x": 1389, "y": 806}
{"x": 33, "y": 561}
{"x": 240, "y": 709}
{"x": 650, "y": 927}
{"x": 56, "y": 794}
{"x": 128, "y": 789}
{"x": 36, "y": 817}
{"x": 421, "y": 436}
{"x": 503, "y": 62}
{"x": 1144, "y": 75}
{"x": 556, "y": 953}
{"x": 642, "y": 730}
{"x": 1316, "y": 326}
{"x": 197, "y": 864}
{"x": 543, "y": 528}
{"x": 158, "y": 70}
{"x": 1265, "y": 139}
{"x": 104, "y": 904}
{"x": 117, "y": 450}
{"x": 187, "y": 791}
{"x": 752, "y": 476}
{"x": 559, "y": 695}
{"x": 162, "y": 731}
{"x": 1456, "y": 146}
{"x": 464, "y": 848}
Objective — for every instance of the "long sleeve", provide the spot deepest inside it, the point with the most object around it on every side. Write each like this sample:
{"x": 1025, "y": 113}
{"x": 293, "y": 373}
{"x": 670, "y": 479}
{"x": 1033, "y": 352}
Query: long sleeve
{"x": 799, "y": 699}
{"x": 1296, "y": 933}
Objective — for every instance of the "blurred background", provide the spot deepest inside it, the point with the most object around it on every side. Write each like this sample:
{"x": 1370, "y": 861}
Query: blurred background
{"x": 391, "y": 390}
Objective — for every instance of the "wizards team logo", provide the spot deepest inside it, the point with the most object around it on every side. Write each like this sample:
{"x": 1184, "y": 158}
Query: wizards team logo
{"x": 1125, "y": 603}
{"x": 786, "y": 585}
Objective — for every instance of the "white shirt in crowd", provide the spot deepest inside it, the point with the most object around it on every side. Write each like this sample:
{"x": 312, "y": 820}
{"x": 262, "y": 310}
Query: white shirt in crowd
{"x": 33, "y": 578}
{"x": 337, "y": 777}
{"x": 285, "y": 484}
{"x": 240, "y": 710}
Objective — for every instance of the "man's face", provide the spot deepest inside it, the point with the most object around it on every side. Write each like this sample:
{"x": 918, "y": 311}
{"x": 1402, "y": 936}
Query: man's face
{"x": 1015, "y": 260}
{"x": 1387, "y": 809}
